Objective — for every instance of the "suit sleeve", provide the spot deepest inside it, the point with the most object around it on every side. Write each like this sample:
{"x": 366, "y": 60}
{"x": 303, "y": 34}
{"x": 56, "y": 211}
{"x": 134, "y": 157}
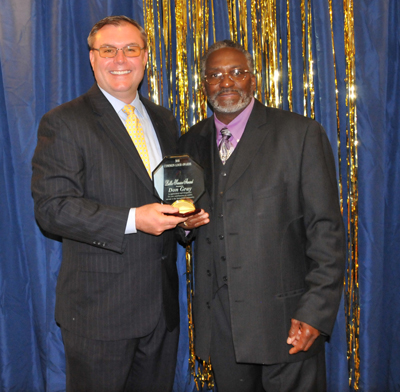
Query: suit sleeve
{"x": 58, "y": 189}
{"x": 325, "y": 237}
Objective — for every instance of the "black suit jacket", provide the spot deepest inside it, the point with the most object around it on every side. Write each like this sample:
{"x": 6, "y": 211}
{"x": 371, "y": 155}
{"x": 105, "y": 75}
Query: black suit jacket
{"x": 87, "y": 174}
{"x": 283, "y": 229}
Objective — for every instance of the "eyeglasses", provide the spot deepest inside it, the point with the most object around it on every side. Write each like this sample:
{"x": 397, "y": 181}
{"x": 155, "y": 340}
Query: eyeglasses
{"x": 236, "y": 75}
{"x": 111, "y": 51}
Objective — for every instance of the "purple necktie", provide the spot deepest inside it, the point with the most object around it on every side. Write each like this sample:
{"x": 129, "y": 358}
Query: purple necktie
{"x": 225, "y": 146}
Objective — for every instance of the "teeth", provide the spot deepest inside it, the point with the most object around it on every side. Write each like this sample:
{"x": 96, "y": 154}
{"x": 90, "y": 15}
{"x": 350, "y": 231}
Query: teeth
{"x": 120, "y": 72}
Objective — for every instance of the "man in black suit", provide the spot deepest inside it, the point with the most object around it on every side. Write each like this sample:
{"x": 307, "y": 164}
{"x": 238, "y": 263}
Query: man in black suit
{"x": 117, "y": 290}
{"x": 269, "y": 266}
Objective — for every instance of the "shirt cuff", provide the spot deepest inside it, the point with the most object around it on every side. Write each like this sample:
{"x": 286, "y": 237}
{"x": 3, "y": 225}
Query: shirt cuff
{"x": 131, "y": 223}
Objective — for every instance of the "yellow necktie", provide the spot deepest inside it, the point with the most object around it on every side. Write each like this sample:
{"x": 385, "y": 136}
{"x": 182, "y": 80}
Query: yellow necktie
{"x": 136, "y": 133}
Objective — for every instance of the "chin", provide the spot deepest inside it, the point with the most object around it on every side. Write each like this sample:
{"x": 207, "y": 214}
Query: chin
{"x": 230, "y": 106}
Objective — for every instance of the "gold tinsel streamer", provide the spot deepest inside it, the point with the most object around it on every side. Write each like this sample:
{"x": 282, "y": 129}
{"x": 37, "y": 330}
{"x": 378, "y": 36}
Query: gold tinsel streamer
{"x": 167, "y": 37}
{"x": 265, "y": 51}
{"x": 304, "y": 46}
{"x": 152, "y": 72}
{"x": 181, "y": 62}
{"x": 289, "y": 59}
{"x": 337, "y": 110}
{"x": 352, "y": 286}
{"x": 242, "y": 5}
{"x": 308, "y": 63}
{"x": 257, "y": 49}
{"x": 232, "y": 20}
{"x": 310, "y": 60}
{"x": 200, "y": 13}
{"x": 273, "y": 55}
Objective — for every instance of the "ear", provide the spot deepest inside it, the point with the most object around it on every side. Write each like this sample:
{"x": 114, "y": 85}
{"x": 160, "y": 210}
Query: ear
{"x": 253, "y": 82}
{"x": 145, "y": 57}
{"x": 91, "y": 57}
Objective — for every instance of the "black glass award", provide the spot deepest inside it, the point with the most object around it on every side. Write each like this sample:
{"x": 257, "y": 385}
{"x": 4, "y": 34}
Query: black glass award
{"x": 178, "y": 180}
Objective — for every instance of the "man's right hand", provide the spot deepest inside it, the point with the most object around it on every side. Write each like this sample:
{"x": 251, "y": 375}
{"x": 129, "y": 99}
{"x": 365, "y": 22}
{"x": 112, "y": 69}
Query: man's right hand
{"x": 197, "y": 220}
{"x": 151, "y": 218}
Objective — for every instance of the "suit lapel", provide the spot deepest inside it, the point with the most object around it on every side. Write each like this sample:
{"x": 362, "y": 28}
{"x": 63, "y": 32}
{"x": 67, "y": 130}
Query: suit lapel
{"x": 253, "y": 137}
{"x": 110, "y": 122}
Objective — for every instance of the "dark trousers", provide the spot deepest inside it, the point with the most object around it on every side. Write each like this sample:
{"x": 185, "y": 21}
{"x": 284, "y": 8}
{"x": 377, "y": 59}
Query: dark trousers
{"x": 230, "y": 376}
{"x": 145, "y": 364}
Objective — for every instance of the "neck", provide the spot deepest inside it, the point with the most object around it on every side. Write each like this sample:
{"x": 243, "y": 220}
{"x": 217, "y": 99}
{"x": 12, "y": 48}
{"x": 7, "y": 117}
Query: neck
{"x": 226, "y": 118}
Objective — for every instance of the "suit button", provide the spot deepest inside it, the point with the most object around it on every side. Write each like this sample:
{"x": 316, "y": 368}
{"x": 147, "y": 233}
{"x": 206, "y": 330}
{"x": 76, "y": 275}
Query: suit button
{"x": 208, "y": 273}
{"x": 221, "y": 237}
{"x": 221, "y": 194}
{"x": 163, "y": 257}
{"x": 223, "y": 174}
{"x": 208, "y": 241}
{"x": 225, "y": 278}
{"x": 208, "y": 305}
{"x": 223, "y": 258}
{"x": 220, "y": 215}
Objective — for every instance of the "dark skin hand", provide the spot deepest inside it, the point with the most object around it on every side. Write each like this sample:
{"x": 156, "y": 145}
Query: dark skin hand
{"x": 193, "y": 221}
{"x": 301, "y": 336}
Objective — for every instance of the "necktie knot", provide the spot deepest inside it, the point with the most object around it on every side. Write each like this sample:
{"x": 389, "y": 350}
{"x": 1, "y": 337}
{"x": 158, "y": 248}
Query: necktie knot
{"x": 225, "y": 133}
{"x": 225, "y": 147}
{"x": 128, "y": 109}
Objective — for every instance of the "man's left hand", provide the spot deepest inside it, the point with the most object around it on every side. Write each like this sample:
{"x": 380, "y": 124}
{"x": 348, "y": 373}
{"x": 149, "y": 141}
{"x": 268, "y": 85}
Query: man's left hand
{"x": 301, "y": 336}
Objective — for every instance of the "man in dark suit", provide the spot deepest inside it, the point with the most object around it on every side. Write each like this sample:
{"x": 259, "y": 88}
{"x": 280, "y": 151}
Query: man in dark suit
{"x": 269, "y": 266}
{"x": 117, "y": 290}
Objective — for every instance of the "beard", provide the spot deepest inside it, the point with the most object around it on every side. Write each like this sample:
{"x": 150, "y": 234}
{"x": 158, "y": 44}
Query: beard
{"x": 228, "y": 106}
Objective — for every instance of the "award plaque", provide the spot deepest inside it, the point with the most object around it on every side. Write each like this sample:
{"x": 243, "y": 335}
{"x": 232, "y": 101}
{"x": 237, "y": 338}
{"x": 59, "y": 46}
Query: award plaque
{"x": 178, "y": 180}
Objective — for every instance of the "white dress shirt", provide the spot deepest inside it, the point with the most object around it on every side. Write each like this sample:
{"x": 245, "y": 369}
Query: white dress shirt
{"x": 153, "y": 146}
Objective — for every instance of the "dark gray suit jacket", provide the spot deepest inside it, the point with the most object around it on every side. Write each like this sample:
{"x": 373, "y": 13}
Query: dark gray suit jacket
{"x": 284, "y": 234}
{"x": 87, "y": 174}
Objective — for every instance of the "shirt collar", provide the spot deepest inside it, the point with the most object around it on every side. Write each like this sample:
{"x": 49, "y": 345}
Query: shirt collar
{"x": 118, "y": 105}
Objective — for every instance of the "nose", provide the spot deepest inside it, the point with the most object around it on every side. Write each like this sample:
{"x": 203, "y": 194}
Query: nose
{"x": 226, "y": 80}
{"x": 120, "y": 56}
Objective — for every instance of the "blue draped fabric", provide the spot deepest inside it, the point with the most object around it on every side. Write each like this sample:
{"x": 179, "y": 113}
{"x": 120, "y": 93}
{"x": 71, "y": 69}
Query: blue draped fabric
{"x": 44, "y": 62}
{"x": 378, "y": 59}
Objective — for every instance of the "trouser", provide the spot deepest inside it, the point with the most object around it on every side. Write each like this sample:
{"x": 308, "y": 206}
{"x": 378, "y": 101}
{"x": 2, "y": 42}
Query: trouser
{"x": 145, "y": 364}
{"x": 230, "y": 376}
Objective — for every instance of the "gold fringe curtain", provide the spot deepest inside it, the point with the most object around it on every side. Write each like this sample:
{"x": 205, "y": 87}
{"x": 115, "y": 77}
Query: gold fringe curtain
{"x": 254, "y": 24}
{"x": 352, "y": 307}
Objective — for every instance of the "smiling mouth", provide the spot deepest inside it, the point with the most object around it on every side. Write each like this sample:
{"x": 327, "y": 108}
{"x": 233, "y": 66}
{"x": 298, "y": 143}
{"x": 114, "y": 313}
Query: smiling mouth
{"x": 120, "y": 72}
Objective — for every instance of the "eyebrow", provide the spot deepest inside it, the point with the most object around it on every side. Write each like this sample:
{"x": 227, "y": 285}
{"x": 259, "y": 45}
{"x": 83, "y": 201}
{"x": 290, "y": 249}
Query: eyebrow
{"x": 228, "y": 66}
{"x": 131, "y": 44}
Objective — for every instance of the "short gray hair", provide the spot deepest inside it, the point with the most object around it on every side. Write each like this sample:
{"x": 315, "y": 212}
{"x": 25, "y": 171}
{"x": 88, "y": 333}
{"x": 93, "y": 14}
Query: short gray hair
{"x": 225, "y": 44}
{"x": 115, "y": 21}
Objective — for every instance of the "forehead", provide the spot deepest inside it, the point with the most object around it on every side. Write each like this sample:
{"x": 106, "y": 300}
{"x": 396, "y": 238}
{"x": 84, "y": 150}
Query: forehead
{"x": 120, "y": 35}
{"x": 226, "y": 58}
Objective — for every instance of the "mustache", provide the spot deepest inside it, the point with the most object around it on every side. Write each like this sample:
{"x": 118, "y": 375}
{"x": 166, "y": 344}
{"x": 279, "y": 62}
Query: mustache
{"x": 227, "y": 90}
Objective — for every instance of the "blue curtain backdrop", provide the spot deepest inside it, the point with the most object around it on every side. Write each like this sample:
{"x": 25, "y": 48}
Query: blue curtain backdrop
{"x": 44, "y": 62}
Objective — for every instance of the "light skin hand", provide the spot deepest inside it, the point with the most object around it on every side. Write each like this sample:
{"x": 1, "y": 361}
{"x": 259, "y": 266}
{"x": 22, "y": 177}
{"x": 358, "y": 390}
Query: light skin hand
{"x": 301, "y": 336}
{"x": 151, "y": 218}
{"x": 193, "y": 221}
